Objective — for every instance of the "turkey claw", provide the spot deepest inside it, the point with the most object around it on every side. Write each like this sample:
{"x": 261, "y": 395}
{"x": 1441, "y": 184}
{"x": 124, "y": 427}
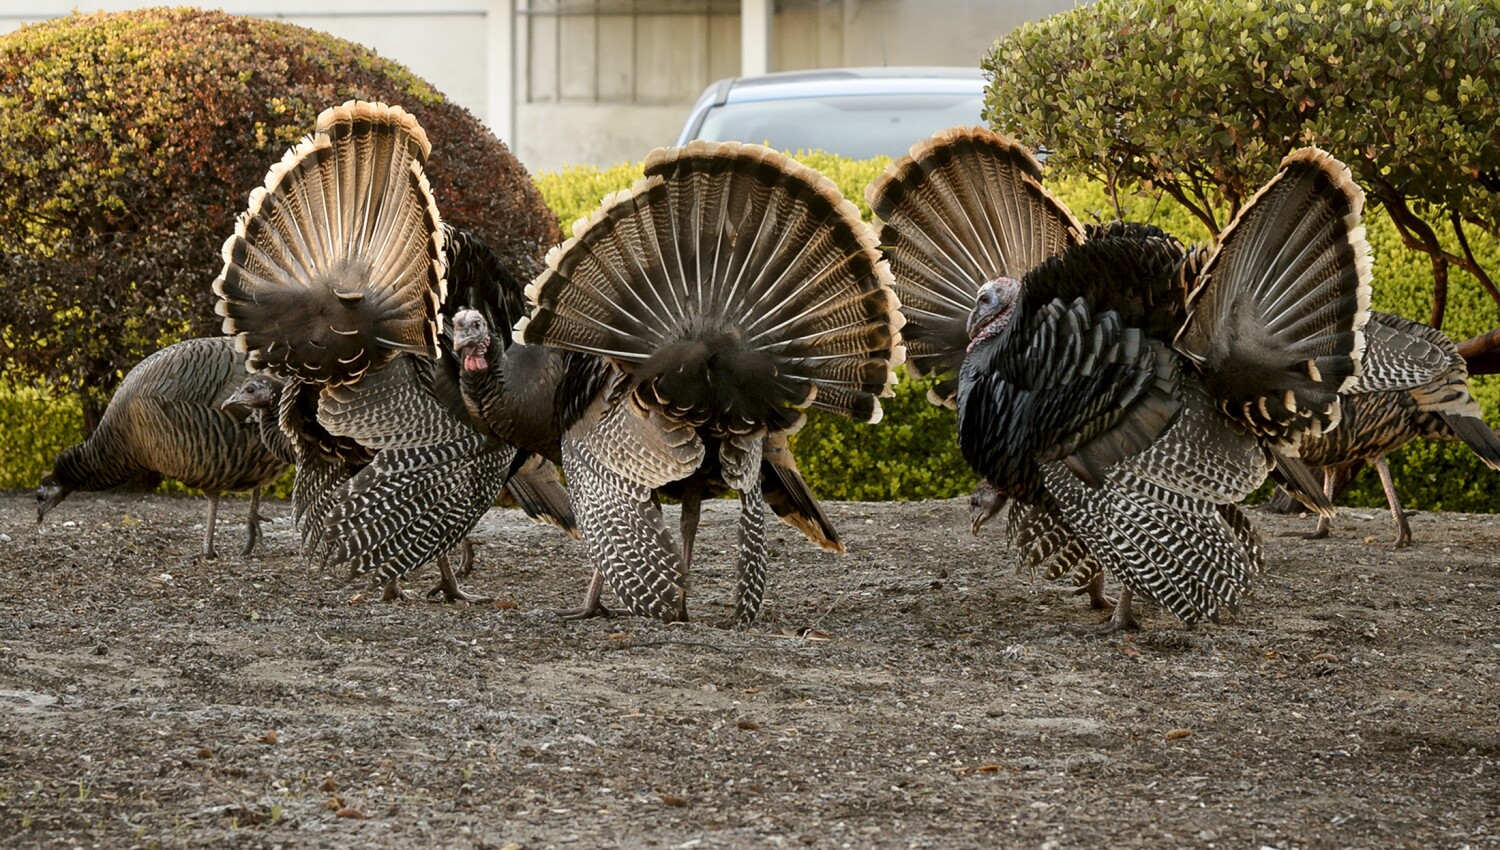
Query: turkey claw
{"x": 584, "y": 612}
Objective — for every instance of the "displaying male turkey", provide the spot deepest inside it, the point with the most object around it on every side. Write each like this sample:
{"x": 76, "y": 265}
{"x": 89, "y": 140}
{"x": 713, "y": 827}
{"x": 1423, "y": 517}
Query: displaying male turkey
{"x": 1414, "y": 384}
{"x": 529, "y": 392}
{"x": 701, "y": 312}
{"x": 166, "y": 418}
{"x": 337, "y": 278}
{"x": 325, "y": 462}
{"x": 1123, "y": 392}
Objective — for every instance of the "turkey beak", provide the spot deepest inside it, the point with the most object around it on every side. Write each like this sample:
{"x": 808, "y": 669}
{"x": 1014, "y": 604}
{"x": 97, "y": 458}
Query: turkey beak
{"x": 237, "y": 405}
{"x": 469, "y": 327}
{"x": 986, "y": 305}
{"x": 234, "y": 401}
{"x": 47, "y": 499}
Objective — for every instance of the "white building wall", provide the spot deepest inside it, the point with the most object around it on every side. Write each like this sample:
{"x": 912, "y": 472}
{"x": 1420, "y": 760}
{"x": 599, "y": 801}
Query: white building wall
{"x": 596, "y": 82}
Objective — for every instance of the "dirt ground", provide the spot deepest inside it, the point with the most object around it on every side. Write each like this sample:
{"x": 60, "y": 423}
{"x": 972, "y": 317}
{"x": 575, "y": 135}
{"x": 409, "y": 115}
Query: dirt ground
{"x": 915, "y": 692}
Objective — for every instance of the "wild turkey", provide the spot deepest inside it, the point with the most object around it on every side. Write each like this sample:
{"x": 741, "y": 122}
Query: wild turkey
{"x": 1123, "y": 392}
{"x": 1414, "y": 384}
{"x": 529, "y": 392}
{"x": 338, "y": 278}
{"x": 166, "y": 418}
{"x": 700, "y": 312}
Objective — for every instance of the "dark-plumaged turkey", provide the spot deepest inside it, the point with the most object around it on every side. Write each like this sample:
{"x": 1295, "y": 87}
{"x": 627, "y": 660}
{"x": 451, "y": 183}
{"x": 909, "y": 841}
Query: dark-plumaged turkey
{"x": 673, "y": 344}
{"x": 1121, "y": 391}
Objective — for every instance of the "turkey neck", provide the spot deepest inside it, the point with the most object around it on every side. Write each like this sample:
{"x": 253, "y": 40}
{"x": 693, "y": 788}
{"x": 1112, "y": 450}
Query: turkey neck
{"x": 271, "y": 435}
{"x": 530, "y": 394}
{"x": 98, "y": 463}
{"x": 1017, "y": 475}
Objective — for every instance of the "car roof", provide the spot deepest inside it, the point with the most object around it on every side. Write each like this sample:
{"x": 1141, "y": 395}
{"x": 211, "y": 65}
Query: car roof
{"x": 821, "y": 82}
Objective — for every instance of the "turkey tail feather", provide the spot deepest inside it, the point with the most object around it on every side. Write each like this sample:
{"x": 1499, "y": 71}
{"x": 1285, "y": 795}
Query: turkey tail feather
{"x": 1478, "y": 436}
{"x": 962, "y": 208}
{"x": 735, "y": 284}
{"x": 791, "y": 499}
{"x": 336, "y": 264}
{"x": 536, "y": 488}
{"x": 1278, "y": 311}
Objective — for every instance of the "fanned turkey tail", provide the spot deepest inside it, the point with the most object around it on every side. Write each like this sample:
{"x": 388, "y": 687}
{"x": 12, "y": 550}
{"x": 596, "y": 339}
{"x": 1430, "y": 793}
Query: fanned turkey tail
{"x": 336, "y": 265}
{"x": 1277, "y": 310}
{"x": 734, "y": 287}
{"x": 962, "y": 208}
{"x": 337, "y": 276}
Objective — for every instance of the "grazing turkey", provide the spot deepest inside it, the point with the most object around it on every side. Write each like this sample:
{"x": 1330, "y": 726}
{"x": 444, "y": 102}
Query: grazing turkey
{"x": 1414, "y": 384}
{"x": 166, "y": 418}
{"x": 1123, "y": 392}
{"x": 697, "y": 315}
{"x": 339, "y": 278}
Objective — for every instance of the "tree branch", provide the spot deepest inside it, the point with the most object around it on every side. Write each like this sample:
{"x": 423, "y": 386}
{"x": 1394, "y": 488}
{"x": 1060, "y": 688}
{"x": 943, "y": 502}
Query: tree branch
{"x": 1470, "y": 264}
{"x": 1417, "y": 235}
{"x": 1482, "y": 353}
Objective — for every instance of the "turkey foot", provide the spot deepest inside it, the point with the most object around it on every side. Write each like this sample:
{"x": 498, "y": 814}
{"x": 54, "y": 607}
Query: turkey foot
{"x": 1123, "y": 619}
{"x": 591, "y": 606}
{"x": 1095, "y": 590}
{"x": 393, "y": 591}
{"x": 1320, "y": 533}
{"x": 448, "y": 586}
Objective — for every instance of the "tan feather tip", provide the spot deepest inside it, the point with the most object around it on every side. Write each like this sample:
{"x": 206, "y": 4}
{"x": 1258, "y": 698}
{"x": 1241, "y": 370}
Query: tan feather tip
{"x": 376, "y": 112}
{"x": 278, "y": 172}
{"x": 1336, "y": 170}
{"x": 1364, "y": 265}
{"x": 898, "y": 357}
{"x": 950, "y": 402}
{"x": 922, "y": 150}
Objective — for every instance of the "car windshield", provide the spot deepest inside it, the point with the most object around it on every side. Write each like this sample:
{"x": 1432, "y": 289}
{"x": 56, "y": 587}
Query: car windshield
{"x": 854, "y": 126}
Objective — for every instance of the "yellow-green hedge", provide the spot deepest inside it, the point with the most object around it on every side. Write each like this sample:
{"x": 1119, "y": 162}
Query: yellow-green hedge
{"x": 912, "y": 453}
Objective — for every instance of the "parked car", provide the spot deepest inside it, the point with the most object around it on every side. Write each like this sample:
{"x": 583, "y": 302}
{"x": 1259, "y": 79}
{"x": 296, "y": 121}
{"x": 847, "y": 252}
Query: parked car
{"x": 854, "y": 112}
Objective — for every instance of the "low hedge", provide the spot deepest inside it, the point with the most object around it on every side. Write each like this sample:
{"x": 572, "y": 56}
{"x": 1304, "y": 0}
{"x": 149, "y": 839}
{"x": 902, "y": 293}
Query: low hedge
{"x": 913, "y": 452}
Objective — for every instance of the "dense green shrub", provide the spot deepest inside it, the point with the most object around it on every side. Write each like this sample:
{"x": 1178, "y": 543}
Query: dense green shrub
{"x": 128, "y": 143}
{"x": 36, "y": 428}
{"x": 1199, "y": 99}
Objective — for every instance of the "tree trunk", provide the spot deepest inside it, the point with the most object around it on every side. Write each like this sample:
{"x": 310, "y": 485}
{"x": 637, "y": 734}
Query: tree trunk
{"x": 1482, "y": 353}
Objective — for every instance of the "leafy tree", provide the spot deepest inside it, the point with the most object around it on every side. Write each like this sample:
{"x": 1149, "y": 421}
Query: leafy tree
{"x": 1199, "y": 100}
{"x": 129, "y": 142}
